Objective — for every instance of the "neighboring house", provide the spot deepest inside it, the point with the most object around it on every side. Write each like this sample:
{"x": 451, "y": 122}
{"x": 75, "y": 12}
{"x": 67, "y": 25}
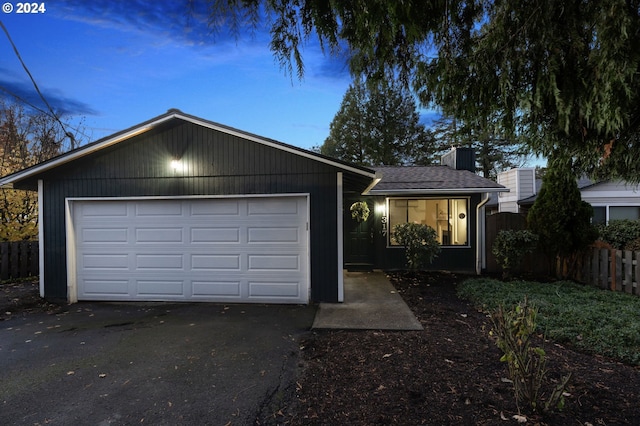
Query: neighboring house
{"x": 610, "y": 200}
{"x": 183, "y": 209}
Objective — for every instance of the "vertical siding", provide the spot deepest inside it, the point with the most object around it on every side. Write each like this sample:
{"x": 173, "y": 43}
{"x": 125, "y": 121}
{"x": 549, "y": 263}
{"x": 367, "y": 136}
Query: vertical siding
{"x": 451, "y": 258}
{"x": 216, "y": 164}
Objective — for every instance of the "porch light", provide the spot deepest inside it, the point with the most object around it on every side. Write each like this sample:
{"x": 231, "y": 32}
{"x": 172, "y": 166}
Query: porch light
{"x": 380, "y": 209}
{"x": 176, "y": 165}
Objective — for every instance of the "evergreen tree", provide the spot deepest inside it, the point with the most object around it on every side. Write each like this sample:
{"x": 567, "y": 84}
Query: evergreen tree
{"x": 378, "y": 125}
{"x": 559, "y": 217}
{"x": 494, "y": 152}
{"x": 564, "y": 75}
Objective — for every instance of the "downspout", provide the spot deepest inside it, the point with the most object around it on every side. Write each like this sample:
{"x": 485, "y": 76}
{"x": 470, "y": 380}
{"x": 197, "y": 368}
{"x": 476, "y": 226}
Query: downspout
{"x": 480, "y": 240}
{"x": 41, "y": 237}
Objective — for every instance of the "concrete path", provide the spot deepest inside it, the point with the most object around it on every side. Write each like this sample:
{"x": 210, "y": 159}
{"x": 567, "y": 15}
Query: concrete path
{"x": 371, "y": 303}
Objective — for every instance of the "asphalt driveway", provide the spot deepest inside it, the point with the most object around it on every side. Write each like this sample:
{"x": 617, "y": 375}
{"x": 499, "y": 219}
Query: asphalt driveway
{"x": 149, "y": 363}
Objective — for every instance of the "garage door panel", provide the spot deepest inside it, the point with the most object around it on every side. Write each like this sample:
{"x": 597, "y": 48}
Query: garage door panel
{"x": 273, "y": 262}
{"x": 212, "y": 288}
{"x": 165, "y": 208}
{"x": 228, "y": 249}
{"x": 215, "y": 235}
{"x": 105, "y": 235}
{"x": 103, "y": 261}
{"x": 204, "y": 262}
{"x": 106, "y": 288}
{"x": 266, "y": 206}
{"x": 200, "y": 208}
{"x": 273, "y": 235}
{"x": 159, "y": 261}
{"x": 97, "y": 211}
{"x": 160, "y": 288}
{"x": 274, "y": 289}
{"x": 159, "y": 235}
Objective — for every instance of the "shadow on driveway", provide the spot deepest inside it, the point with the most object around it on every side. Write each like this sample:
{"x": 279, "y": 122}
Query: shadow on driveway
{"x": 149, "y": 363}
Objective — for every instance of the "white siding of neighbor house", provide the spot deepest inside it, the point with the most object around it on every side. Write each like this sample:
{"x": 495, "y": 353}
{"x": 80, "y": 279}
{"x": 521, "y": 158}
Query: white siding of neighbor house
{"x": 521, "y": 183}
{"x": 612, "y": 193}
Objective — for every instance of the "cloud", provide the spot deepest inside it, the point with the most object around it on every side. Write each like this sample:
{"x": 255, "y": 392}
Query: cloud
{"x": 185, "y": 21}
{"x": 27, "y": 94}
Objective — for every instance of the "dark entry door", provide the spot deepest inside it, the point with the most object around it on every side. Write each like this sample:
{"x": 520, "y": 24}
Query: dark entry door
{"x": 358, "y": 238}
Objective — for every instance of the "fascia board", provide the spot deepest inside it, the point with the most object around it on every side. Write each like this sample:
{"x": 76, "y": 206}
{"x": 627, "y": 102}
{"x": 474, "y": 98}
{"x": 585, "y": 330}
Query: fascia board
{"x": 7, "y": 181}
{"x": 436, "y": 191}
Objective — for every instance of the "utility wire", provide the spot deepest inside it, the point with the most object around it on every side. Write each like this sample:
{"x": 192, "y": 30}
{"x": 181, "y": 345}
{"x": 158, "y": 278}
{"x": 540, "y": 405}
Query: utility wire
{"x": 46, "y": 113}
{"x": 55, "y": 116}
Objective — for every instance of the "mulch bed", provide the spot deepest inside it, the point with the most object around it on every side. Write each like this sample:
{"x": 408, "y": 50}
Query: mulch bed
{"x": 449, "y": 373}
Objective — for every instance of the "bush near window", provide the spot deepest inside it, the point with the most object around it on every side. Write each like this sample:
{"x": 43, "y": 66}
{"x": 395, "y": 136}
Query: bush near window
{"x": 420, "y": 242}
{"x": 510, "y": 247}
{"x": 620, "y": 233}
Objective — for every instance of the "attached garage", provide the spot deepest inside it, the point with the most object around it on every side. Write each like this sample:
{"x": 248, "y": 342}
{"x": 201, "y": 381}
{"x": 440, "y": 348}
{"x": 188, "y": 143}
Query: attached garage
{"x": 184, "y": 209}
{"x": 231, "y": 249}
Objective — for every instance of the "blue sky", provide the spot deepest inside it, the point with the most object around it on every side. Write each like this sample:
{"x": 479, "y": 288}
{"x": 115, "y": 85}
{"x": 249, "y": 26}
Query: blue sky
{"x": 118, "y": 63}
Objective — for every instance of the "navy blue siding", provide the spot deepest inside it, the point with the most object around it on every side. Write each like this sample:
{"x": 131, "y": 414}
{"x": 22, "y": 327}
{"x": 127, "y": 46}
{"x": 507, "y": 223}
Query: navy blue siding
{"x": 217, "y": 164}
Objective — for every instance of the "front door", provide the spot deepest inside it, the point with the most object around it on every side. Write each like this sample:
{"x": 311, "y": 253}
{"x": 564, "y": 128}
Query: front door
{"x": 358, "y": 238}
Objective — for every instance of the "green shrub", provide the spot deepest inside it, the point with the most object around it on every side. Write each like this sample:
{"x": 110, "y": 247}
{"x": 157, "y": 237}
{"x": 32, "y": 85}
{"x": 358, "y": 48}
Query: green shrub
{"x": 633, "y": 245}
{"x": 560, "y": 218}
{"x": 513, "y": 330}
{"x": 420, "y": 242}
{"x": 620, "y": 232}
{"x": 511, "y": 246}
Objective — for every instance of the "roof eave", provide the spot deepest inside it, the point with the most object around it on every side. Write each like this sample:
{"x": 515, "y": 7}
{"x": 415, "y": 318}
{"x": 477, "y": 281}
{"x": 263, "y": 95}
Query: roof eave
{"x": 426, "y": 191}
{"x": 146, "y": 126}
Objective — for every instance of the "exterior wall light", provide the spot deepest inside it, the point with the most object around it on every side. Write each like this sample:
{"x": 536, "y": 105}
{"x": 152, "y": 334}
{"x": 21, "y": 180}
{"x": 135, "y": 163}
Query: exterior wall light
{"x": 176, "y": 165}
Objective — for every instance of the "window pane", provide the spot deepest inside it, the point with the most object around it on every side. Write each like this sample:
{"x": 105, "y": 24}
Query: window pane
{"x": 447, "y": 216}
{"x": 599, "y": 215}
{"x": 624, "y": 212}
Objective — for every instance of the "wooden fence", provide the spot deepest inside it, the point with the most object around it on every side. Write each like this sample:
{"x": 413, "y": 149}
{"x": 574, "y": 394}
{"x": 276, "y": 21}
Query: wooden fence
{"x": 605, "y": 267}
{"x": 534, "y": 263}
{"x": 18, "y": 259}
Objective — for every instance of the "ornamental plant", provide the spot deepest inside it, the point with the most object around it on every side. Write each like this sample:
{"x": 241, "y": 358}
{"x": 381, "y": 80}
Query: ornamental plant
{"x": 420, "y": 242}
{"x": 513, "y": 330}
{"x": 510, "y": 247}
{"x": 621, "y": 232}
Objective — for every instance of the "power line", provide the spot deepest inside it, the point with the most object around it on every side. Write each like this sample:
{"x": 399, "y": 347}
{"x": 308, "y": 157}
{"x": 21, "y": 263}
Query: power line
{"x": 46, "y": 113}
{"x": 35, "y": 85}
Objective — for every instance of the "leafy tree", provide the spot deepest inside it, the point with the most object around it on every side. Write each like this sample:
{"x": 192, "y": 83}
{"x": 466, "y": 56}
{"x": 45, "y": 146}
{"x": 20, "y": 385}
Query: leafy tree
{"x": 26, "y": 138}
{"x": 559, "y": 217}
{"x": 562, "y": 74}
{"x": 378, "y": 124}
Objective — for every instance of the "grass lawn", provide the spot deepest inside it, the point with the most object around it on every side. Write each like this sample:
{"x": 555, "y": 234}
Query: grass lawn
{"x": 592, "y": 320}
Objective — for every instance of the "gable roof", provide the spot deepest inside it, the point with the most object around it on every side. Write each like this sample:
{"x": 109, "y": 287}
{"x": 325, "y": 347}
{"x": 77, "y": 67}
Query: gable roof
{"x": 583, "y": 183}
{"x": 175, "y": 114}
{"x": 431, "y": 180}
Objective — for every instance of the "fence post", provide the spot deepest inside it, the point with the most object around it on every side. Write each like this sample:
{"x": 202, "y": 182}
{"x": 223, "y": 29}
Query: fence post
{"x": 616, "y": 275}
{"x": 636, "y": 282}
{"x": 603, "y": 278}
{"x": 595, "y": 267}
{"x": 4, "y": 261}
{"x": 628, "y": 270}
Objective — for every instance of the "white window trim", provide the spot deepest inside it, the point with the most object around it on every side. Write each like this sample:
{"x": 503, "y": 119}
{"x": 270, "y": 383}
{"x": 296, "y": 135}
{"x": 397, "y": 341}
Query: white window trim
{"x": 387, "y": 212}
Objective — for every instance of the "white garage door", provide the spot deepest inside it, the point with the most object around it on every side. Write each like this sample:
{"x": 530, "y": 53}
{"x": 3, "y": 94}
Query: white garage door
{"x": 222, "y": 250}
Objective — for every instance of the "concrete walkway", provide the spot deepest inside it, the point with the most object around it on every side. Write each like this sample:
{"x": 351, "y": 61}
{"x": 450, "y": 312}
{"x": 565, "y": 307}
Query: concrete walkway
{"x": 370, "y": 303}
